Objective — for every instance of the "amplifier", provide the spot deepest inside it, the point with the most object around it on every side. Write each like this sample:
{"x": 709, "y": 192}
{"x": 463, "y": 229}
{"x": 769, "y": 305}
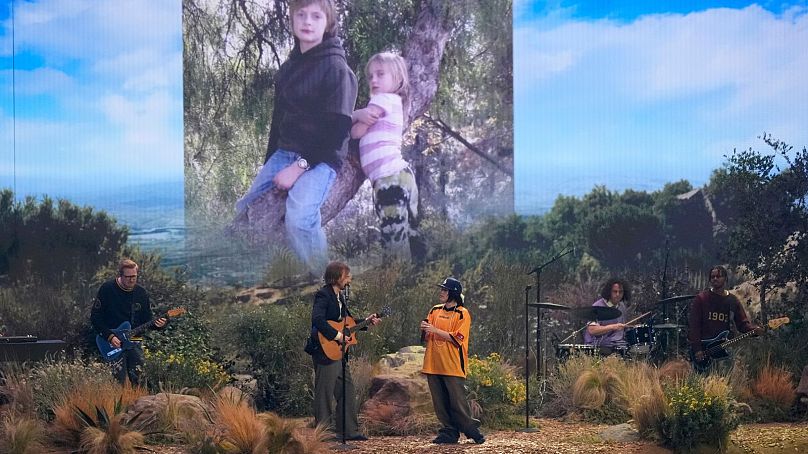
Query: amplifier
{"x": 17, "y": 339}
{"x": 30, "y": 351}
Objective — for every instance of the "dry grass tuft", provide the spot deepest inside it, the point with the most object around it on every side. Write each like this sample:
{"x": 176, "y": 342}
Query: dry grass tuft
{"x": 89, "y": 398}
{"x": 238, "y": 424}
{"x": 775, "y": 385}
{"x": 18, "y": 392}
{"x": 21, "y": 434}
{"x": 675, "y": 370}
{"x": 238, "y": 428}
{"x": 386, "y": 419}
{"x": 590, "y": 389}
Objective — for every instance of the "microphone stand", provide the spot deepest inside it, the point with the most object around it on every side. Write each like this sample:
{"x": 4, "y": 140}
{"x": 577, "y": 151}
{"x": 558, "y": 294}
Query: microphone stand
{"x": 527, "y": 368}
{"x": 541, "y": 371}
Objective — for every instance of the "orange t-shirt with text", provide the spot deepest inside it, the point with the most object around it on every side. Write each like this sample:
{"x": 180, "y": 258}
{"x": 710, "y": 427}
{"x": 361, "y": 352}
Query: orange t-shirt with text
{"x": 444, "y": 357}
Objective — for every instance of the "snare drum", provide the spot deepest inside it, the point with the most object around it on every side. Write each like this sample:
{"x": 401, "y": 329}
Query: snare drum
{"x": 564, "y": 351}
{"x": 640, "y": 339}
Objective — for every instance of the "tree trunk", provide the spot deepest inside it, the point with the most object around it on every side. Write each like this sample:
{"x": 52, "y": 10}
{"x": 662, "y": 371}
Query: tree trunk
{"x": 423, "y": 53}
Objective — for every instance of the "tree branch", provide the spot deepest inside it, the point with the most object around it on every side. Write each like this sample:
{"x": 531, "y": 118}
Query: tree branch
{"x": 456, "y": 135}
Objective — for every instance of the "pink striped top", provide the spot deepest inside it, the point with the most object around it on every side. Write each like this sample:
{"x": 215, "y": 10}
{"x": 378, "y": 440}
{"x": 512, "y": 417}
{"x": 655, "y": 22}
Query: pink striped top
{"x": 380, "y": 147}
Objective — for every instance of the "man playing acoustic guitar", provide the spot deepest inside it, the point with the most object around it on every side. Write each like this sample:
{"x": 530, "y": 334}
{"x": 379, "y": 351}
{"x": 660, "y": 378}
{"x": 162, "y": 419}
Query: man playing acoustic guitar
{"x": 710, "y": 315}
{"x": 123, "y": 300}
{"x": 330, "y": 304}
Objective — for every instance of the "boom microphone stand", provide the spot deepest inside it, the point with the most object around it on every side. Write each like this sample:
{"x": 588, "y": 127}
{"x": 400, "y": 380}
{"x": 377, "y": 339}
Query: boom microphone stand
{"x": 541, "y": 369}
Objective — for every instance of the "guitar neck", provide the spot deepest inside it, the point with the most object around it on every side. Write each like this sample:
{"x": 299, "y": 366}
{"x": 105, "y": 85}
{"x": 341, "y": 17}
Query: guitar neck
{"x": 142, "y": 328}
{"x": 360, "y": 325}
{"x": 730, "y": 342}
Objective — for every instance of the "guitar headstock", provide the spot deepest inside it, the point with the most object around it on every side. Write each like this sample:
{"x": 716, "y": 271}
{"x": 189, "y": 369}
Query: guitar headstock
{"x": 778, "y": 322}
{"x": 176, "y": 312}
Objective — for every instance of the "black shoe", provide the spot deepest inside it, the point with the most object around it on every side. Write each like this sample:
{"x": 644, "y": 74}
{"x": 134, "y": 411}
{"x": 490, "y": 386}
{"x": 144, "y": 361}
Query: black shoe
{"x": 477, "y": 437}
{"x": 357, "y": 437}
{"x": 444, "y": 440}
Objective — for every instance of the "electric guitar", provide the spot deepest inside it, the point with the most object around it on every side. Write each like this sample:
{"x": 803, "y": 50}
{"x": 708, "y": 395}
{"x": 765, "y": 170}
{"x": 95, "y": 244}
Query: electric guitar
{"x": 125, "y": 333}
{"x": 348, "y": 326}
{"x": 715, "y": 348}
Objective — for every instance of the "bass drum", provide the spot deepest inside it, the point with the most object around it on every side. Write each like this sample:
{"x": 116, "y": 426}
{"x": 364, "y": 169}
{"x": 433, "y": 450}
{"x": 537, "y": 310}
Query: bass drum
{"x": 640, "y": 340}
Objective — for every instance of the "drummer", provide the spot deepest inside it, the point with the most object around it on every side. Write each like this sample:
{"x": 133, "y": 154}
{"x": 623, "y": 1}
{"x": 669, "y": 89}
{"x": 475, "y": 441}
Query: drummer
{"x": 609, "y": 335}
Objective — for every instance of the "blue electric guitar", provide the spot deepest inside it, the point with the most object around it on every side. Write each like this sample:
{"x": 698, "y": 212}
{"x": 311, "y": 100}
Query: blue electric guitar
{"x": 715, "y": 348}
{"x": 125, "y": 333}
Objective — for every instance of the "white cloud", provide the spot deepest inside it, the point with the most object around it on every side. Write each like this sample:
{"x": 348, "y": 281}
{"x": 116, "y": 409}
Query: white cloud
{"x": 751, "y": 52}
{"x": 82, "y": 29}
{"x": 38, "y": 81}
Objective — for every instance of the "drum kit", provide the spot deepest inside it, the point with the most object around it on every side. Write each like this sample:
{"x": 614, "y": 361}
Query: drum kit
{"x": 645, "y": 341}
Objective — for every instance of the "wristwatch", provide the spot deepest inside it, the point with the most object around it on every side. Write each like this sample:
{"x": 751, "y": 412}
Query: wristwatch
{"x": 302, "y": 163}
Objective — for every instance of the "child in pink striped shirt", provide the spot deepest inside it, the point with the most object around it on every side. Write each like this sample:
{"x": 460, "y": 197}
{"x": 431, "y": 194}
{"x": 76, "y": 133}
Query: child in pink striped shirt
{"x": 380, "y": 126}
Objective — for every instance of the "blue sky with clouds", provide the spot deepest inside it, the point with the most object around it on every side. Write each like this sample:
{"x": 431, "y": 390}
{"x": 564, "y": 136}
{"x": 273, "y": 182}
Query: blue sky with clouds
{"x": 634, "y": 94}
{"x": 98, "y": 88}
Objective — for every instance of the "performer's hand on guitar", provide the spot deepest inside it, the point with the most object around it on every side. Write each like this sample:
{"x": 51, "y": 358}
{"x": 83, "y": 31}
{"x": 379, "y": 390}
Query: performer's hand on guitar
{"x": 341, "y": 338}
{"x": 374, "y": 319}
{"x": 759, "y": 330}
{"x": 115, "y": 342}
{"x": 700, "y": 355}
{"x": 160, "y": 322}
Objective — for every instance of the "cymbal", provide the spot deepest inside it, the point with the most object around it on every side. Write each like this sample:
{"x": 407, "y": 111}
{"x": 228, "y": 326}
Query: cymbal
{"x": 598, "y": 312}
{"x": 675, "y": 299}
{"x": 668, "y": 326}
{"x": 559, "y": 307}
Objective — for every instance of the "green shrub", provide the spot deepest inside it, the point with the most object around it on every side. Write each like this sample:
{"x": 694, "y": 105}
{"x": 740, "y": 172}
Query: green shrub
{"x": 174, "y": 371}
{"x": 52, "y": 380}
{"x": 698, "y": 411}
{"x": 495, "y": 387}
{"x": 267, "y": 342}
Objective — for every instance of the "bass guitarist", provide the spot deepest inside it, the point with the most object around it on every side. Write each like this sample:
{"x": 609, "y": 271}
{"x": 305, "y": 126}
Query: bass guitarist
{"x": 710, "y": 315}
{"x": 120, "y": 300}
{"x": 330, "y": 304}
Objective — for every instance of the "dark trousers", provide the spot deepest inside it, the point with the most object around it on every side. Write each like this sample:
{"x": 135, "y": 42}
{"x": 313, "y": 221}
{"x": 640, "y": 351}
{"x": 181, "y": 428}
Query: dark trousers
{"x": 129, "y": 365}
{"x": 327, "y": 390}
{"x": 452, "y": 407}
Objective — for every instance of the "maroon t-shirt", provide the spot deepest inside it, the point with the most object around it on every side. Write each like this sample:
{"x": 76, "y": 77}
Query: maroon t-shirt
{"x": 710, "y": 314}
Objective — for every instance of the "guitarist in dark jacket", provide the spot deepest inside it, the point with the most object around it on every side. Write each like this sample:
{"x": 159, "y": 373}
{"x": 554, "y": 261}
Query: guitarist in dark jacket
{"x": 711, "y": 312}
{"x": 330, "y": 304}
{"x": 123, "y": 300}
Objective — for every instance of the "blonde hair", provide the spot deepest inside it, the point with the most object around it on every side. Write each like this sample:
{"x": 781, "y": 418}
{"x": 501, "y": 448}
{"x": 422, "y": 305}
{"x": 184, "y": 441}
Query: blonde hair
{"x": 328, "y": 8}
{"x": 398, "y": 68}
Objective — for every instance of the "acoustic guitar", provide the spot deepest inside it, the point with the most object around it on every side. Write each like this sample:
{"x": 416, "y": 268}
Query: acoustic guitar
{"x": 715, "y": 348}
{"x": 125, "y": 333}
{"x": 348, "y": 326}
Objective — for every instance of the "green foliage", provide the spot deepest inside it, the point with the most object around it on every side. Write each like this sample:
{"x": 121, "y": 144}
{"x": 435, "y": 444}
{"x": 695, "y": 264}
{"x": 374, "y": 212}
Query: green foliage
{"x": 495, "y": 386}
{"x": 176, "y": 371}
{"x": 267, "y": 342}
{"x": 694, "y": 416}
{"x": 52, "y": 380}
{"x": 58, "y": 241}
{"x": 621, "y": 234}
{"x": 35, "y": 306}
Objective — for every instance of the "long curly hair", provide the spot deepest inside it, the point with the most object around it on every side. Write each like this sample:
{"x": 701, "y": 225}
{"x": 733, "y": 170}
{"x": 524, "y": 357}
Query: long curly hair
{"x": 606, "y": 290}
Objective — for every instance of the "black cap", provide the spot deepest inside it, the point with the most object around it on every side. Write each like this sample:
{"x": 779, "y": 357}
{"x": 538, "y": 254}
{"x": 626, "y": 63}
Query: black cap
{"x": 455, "y": 289}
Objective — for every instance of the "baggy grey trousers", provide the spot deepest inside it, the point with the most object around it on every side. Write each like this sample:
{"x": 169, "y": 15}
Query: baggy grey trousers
{"x": 452, "y": 406}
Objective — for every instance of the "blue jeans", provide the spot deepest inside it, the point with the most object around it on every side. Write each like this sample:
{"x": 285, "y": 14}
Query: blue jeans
{"x": 303, "y": 222}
